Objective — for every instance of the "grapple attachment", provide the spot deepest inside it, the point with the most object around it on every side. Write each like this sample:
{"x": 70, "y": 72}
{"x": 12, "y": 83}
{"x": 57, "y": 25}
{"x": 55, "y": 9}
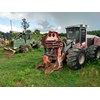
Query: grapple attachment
{"x": 52, "y": 59}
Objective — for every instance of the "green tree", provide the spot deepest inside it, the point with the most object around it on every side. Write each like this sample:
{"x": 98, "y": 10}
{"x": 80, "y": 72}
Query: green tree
{"x": 28, "y": 31}
{"x": 24, "y": 24}
{"x": 37, "y": 31}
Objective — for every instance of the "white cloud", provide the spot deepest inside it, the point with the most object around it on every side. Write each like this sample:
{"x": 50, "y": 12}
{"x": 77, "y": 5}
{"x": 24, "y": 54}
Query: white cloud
{"x": 12, "y": 15}
{"x": 56, "y": 28}
{"x": 4, "y": 28}
{"x": 33, "y": 16}
{"x": 43, "y": 21}
{"x": 58, "y": 21}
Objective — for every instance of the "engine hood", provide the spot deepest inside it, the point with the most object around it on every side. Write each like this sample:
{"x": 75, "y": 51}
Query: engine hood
{"x": 92, "y": 36}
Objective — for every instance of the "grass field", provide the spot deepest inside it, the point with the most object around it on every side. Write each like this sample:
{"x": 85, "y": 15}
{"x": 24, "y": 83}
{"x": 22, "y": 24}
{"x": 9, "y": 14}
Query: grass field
{"x": 19, "y": 70}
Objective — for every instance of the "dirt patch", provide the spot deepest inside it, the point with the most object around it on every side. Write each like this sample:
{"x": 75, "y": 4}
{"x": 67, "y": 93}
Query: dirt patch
{"x": 8, "y": 54}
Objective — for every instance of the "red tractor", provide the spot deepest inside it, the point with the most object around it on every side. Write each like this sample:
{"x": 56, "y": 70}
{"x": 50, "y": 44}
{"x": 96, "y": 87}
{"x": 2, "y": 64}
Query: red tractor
{"x": 76, "y": 49}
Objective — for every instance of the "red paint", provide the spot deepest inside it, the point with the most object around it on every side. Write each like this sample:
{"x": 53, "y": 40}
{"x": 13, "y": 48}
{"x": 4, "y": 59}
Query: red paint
{"x": 55, "y": 35}
{"x": 59, "y": 52}
{"x": 78, "y": 44}
{"x": 45, "y": 59}
{"x": 83, "y": 45}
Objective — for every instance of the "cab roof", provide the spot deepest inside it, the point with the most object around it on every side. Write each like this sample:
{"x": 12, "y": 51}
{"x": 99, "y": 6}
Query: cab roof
{"x": 77, "y": 26}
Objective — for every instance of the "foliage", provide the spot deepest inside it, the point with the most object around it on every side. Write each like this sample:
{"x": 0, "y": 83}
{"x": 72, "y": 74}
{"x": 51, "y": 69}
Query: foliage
{"x": 37, "y": 36}
{"x": 24, "y": 24}
{"x": 36, "y": 31}
{"x": 28, "y": 31}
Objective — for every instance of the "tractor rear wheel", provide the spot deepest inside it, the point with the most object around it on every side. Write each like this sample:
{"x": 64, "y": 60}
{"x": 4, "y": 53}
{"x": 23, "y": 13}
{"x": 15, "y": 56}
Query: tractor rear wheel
{"x": 24, "y": 48}
{"x": 76, "y": 58}
{"x": 93, "y": 52}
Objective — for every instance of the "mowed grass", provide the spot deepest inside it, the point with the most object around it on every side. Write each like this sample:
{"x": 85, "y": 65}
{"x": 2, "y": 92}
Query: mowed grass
{"x": 19, "y": 70}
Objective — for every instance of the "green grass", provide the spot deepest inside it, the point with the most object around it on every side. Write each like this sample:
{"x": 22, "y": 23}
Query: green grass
{"x": 19, "y": 70}
{"x": 37, "y": 36}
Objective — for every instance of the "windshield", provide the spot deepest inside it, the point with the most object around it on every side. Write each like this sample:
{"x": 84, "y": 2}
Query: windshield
{"x": 73, "y": 33}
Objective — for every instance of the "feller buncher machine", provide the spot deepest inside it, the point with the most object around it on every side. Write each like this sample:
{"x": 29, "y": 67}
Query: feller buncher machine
{"x": 22, "y": 42}
{"x": 76, "y": 49}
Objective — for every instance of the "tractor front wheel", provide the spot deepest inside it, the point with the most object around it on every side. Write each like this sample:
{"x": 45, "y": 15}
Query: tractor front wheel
{"x": 76, "y": 58}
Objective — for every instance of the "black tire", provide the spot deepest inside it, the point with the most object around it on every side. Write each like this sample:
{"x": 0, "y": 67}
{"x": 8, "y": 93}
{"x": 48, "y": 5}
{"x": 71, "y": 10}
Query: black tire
{"x": 93, "y": 52}
{"x": 76, "y": 58}
{"x": 24, "y": 48}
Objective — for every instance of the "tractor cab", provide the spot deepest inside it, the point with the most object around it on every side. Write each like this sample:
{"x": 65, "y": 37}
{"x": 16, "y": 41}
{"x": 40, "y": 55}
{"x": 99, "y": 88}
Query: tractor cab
{"x": 77, "y": 34}
{"x": 7, "y": 36}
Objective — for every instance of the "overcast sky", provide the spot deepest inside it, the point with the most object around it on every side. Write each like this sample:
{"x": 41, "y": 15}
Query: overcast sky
{"x": 57, "y": 21}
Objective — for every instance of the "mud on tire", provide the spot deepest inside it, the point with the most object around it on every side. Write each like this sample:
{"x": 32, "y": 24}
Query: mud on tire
{"x": 76, "y": 58}
{"x": 24, "y": 48}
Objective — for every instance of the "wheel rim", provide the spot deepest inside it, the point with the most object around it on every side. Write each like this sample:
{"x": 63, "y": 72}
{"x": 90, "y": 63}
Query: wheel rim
{"x": 98, "y": 54}
{"x": 81, "y": 58}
